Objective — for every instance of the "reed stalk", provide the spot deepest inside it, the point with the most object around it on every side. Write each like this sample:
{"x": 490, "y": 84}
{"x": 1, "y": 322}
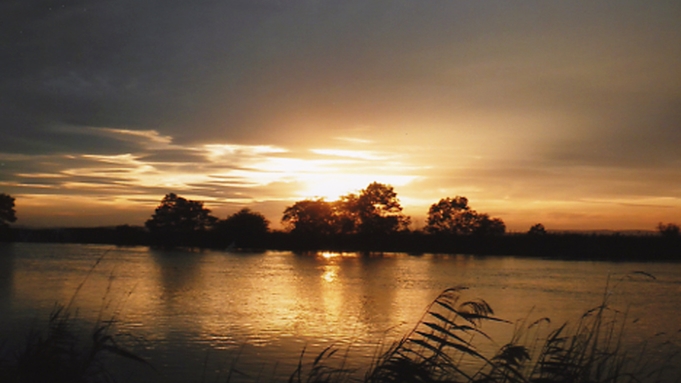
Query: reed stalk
{"x": 61, "y": 354}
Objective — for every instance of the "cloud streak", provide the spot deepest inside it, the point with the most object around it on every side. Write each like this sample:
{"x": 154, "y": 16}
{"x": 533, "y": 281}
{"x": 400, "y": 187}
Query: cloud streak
{"x": 221, "y": 174}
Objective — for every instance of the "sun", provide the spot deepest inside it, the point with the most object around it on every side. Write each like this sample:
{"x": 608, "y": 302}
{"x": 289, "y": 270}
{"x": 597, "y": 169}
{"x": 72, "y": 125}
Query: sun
{"x": 332, "y": 186}
{"x": 325, "y": 173}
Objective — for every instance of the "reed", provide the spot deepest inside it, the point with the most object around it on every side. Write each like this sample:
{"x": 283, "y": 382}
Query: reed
{"x": 62, "y": 352}
{"x": 436, "y": 348}
{"x": 321, "y": 371}
{"x": 61, "y": 355}
{"x": 442, "y": 348}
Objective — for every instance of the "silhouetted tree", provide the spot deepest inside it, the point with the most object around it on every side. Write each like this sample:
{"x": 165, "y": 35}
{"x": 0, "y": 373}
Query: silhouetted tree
{"x": 375, "y": 211}
{"x": 243, "y": 228}
{"x": 7, "y": 212}
{"x": 450, "y": 216}
{"x": 668, "y": 229}
{"x": 311, "y": 217}
{"x": 453, "y": 216}
{"x": 178, "y": 221}
{"x": 537, "y": 229}
{"x": 346, "y": 214}
{"x": 7, "y": 215}
{"x": 484, "y": 225}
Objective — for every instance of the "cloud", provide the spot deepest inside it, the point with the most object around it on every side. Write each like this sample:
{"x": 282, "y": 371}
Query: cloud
{"x": 265, "y": 101}
{"x": 356, "y": 154}
{"x": 219, "y": 173}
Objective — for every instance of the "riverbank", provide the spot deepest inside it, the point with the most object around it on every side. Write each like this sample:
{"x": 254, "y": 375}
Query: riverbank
{"x": 614, "y": 247}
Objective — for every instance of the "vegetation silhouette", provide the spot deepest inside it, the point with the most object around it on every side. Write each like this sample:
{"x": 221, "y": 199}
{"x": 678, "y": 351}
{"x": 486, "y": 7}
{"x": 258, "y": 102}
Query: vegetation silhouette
{"x": 312, "y": 218}
{"x": 537, "y": 229}
{"x": 443, "y": 346}
{"x": 7, "y": 212}
{"x": 62, "y": 354}
{"x": 179, "y": 222}
{"x": 7, "y": 216}
{"x": 243, "y": 229}
{"x": 126, "y": 235}
{"x": 374, "y": 211}
{"x": 668, "y": 229}
{"x": 369, "y": 221}
{"x": 453, "y": 216}
{"x": 66, "y": 352}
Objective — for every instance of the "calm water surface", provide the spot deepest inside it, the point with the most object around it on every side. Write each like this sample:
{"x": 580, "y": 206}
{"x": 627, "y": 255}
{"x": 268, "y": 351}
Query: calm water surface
{"x": 196, "y": 314}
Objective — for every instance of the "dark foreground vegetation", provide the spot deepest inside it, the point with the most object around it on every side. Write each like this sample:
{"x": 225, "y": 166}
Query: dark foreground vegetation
{"x": 442, "y": 347}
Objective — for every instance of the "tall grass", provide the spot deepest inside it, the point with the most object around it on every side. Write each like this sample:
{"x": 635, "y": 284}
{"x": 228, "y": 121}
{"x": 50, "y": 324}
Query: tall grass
{"x": 436, "y": 349}
{"x": 61, "y": 353}
{"x": 442, "y": 348}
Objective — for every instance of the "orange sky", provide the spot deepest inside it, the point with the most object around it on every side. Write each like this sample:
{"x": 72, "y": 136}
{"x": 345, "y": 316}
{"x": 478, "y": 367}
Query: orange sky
{"x": 564, "y": 114}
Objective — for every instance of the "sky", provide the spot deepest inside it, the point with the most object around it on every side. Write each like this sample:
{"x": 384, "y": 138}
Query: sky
{"x": 561, "y": 113}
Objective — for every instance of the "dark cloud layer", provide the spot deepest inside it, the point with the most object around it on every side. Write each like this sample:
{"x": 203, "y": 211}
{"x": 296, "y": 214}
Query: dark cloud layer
{"x": 537, "y": 94}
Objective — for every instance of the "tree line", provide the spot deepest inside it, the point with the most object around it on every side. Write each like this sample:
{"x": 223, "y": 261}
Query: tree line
{"x": 369, "y": 220}
{"x": 7, "y": 216}
{"x": 373, "y": 220}
{"x": 374, "y": 211}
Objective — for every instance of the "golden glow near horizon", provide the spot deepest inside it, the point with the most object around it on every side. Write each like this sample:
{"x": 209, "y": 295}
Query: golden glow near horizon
{"x": 128, "y": 186}
{"x": 198, "y": 172}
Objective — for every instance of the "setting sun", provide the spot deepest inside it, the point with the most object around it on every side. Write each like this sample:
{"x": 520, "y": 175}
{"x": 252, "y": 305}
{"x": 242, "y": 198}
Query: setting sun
{"x": 333, "y": 186}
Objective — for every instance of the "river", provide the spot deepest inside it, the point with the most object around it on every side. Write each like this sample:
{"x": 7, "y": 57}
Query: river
{"x": 196, "y": 315}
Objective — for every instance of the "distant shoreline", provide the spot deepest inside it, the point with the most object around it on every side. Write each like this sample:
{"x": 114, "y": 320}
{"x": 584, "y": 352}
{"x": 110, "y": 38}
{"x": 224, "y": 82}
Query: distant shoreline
{"x": 573, "y": 246}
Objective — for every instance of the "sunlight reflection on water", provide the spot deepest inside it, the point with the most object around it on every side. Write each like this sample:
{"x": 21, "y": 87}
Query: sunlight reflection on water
{"x": 201, "y": 311}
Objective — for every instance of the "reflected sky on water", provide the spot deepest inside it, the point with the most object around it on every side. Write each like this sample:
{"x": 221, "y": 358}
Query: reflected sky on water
{"x": 205, "y": 310}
